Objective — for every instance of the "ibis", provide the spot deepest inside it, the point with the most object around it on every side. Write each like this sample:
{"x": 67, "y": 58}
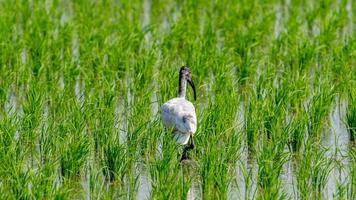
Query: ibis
{"x": 178, "y": 114}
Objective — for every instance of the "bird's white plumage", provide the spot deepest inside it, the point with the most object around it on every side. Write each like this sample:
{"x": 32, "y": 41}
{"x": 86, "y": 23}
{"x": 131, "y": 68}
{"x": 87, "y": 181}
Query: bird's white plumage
{"x": 178, "y": 114}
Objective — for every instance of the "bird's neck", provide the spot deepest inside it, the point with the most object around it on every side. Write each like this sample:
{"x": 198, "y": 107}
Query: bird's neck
{"x": 182, "y": 87}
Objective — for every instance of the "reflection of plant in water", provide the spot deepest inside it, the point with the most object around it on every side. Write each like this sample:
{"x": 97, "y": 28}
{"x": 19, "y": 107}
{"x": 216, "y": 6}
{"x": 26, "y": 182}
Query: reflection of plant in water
{"x": 351, "y": 117}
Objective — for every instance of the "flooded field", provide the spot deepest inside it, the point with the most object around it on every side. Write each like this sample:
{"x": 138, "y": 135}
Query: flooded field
{"x": 81, "y": 85}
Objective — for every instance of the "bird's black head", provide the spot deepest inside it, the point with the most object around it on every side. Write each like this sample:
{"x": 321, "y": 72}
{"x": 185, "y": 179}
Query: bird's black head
{"x": 186, "y": 74}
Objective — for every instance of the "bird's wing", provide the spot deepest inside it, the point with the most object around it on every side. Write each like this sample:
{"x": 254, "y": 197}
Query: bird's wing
{"x": 166, "y": 115}
{"x": 181, "y": 138}
{"x": 180, "y": 115}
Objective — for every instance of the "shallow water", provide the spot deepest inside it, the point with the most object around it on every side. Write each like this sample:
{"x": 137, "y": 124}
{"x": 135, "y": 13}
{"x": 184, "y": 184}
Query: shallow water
{"x": 11, "y": 102}
{"x": 61, "y": 81}
{"x": 154, "y": 102}
{"x": 23, "y": 56}
{"x": 210, "y": 82}
{"x": 286, "y": 8}
{"x": 219, "y": 41}
{"x": 85, "y": 181}
{"x": 154, "y": 99}
{"x": 121, "y": 120}
{"x": 288, "y": 179}
{"x": 145, "y": 19}
{"x": 337, "y": 142}
{"x": 67, "y": 12}
{"x": 241, "y": 166}
{"x": 277, "y": 23}
{"x": 79, "y": 91}
{"x": 176, "y": 13}
{"x": 144, "y": 184}
{"x": 350, "y": 25}
{"x": 191, "y": 193}
{"x": 75, "y": 48}
{"x": 195, "y": 191}
{"x": 206, "y": 92}
{"x": 129, "y": 95}
{"x": 246, "y": 168}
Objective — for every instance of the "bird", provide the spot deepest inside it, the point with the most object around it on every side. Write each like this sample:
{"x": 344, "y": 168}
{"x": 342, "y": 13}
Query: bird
{"x": 178, "y": 114}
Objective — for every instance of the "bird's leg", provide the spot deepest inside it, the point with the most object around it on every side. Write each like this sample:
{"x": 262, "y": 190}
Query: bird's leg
{"x": 186, "y": 149}
{"x": 184, "y": 154}
{"x": 191, "y": 145}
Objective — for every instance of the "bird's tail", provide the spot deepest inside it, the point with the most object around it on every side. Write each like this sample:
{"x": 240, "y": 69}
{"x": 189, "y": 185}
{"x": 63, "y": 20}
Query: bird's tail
{"x": 181, "y": 138}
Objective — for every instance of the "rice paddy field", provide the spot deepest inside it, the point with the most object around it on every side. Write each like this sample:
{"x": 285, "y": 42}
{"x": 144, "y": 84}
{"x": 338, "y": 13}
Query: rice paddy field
{"x": 81, "y": 84}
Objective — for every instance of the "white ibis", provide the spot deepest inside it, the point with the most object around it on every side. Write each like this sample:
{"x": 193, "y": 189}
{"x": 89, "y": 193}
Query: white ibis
{"x": 178, "y": 114}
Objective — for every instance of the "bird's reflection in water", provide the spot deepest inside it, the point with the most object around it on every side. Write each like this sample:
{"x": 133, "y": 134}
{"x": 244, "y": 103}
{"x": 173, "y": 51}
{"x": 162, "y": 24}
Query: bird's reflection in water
{"x": 189, "y": 176}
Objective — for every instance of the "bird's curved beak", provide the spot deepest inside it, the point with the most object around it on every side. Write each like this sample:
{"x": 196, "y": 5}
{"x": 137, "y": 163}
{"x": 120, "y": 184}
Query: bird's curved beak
{"x": 191, "y": 83}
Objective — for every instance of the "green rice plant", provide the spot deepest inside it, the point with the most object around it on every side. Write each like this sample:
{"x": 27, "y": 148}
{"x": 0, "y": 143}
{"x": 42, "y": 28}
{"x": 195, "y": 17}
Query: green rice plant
{"x": 317, "y": 110}
{"x": 12, "y": 158}
{"x": 8, "y": 133}
{"x": 74, "y": 145}
{"x": 312, "y": 172}
{"x": 32, "y": 117}
{"x": 215, "y": 136}
{"x": 43, "y": 178}
{"x": 215, "y": 163}
{"x": 3, "y": 95}
{"x": 165, "y": 169}
{"x": 351, "y": 186}
{"x": 114, "y": 161}
{"x": 272, "y": 140}
{"x": 270, "y": 162}
{"x": 296, "y": 128}
{"x": 73, "y": 157}
{"x": 252, "y": 123}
